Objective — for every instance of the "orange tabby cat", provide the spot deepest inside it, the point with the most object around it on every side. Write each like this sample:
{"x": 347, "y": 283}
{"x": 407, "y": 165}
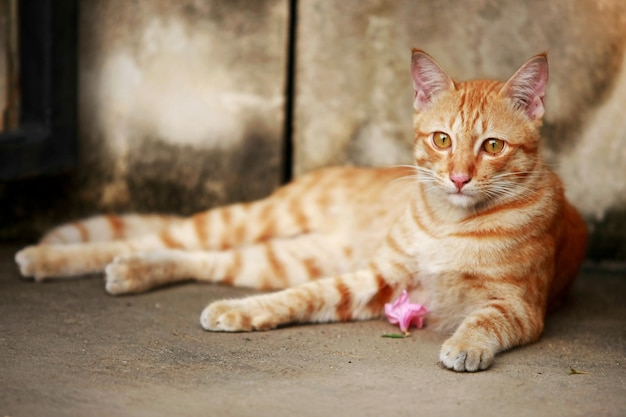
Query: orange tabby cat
{"x": 479, "y": 231}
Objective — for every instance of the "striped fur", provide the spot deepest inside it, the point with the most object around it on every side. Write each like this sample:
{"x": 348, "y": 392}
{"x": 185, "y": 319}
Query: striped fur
{"x": 486, "y": 241}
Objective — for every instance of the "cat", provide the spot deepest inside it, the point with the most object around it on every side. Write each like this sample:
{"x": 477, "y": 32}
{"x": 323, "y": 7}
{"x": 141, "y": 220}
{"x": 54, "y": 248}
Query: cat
{"x": 478, "y": 231}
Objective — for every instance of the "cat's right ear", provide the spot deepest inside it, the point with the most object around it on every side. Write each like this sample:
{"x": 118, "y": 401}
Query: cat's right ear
{"x": 428, "y": 79}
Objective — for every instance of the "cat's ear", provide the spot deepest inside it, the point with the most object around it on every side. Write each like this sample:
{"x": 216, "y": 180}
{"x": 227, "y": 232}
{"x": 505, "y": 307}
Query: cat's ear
{"x": 428, "y": 79}
{"x": 527, "y": 87}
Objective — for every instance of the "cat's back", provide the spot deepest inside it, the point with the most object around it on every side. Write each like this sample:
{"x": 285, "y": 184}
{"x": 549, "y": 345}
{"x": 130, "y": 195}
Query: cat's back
{"x": 337, "y": 186}
{"x": 357, "y": 204}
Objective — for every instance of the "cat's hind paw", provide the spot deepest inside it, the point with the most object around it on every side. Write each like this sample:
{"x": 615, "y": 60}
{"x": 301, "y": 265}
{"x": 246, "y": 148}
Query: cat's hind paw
{"x": 25, "y": 262}
{"x": 465, "y": 356}
{"x": 34, "y": 262}
{"x": 126, "y": 275}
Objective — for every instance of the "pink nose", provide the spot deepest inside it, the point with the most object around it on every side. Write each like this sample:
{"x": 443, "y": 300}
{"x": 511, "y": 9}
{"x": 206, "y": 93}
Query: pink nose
{"x": 460, "y": 180}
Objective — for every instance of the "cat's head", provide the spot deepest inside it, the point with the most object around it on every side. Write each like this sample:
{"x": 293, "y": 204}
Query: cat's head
{"x": 477, "y": 142}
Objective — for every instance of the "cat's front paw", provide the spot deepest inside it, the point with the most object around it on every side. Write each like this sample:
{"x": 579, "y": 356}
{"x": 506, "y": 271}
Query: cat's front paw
{"x": 226, "y": 316}
{"x": 466, "y": 354}
{"x": 237, "y": 316}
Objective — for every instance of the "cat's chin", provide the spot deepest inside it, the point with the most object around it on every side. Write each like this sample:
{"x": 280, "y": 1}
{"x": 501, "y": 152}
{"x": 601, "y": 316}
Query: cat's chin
{"x": 463, "y": 201}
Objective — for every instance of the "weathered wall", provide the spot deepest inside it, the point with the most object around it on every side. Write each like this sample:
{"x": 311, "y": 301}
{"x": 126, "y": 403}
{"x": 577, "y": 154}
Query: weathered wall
{"x": 354, "y": 90}
{"x": 181, "y": 107}
{"x": 182, "y": 98}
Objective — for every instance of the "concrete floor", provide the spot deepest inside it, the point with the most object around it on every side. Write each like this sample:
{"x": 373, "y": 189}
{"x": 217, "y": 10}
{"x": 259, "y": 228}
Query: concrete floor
{"x": 69, "y": 349}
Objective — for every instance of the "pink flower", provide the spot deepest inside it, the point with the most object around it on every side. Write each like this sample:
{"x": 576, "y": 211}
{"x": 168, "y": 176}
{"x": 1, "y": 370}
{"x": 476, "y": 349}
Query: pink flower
{"x": 404, "y": 313}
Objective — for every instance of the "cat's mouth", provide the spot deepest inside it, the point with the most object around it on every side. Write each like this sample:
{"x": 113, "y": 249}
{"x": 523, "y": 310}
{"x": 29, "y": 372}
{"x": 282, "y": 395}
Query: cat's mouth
{"x": 461, "y": 198}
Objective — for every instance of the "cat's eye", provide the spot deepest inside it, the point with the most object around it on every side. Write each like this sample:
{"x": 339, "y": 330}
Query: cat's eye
{"x": 442, "y": 140}
{"x": 493, "y": 146}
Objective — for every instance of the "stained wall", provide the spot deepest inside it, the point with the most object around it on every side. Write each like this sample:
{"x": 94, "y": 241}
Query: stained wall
{"x": 182, "y": 98}
{"x": 181, "y": 107}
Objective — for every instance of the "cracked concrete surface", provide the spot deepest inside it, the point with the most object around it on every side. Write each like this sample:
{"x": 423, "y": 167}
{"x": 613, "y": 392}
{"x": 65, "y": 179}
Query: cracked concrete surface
{"x": 69, "y": 349}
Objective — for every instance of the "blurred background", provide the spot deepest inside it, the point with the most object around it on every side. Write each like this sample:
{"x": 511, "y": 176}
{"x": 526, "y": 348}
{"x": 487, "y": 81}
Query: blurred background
{"x": 162, "y": 106}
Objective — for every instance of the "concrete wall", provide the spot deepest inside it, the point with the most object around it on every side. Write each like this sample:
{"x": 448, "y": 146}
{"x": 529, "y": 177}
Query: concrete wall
{"x": 182, "y": 104}
{"x": 181, "y": 99}
{"x": 181, "y": 107}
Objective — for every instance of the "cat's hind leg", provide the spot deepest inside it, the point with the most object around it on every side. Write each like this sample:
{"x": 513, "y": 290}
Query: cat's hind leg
{"x": 283, "y": 214}
{"x": 74, "y": 259}
{"x": 87, "y": 245}
{"x": 219, "y": 228}
{"x": 270, "y": 265}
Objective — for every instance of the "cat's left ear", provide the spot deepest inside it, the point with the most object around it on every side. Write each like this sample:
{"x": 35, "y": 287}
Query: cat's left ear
{"x": 527, "y": 87}
{"x": 429, "y": 79}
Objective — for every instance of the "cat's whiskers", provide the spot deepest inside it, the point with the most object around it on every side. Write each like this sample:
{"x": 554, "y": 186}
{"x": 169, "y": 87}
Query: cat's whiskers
{"x": 520, "y": 174}
{"x": 508, "y": 189}
{"x": 500, "y": 187}
{"x": 420, "y": 175}
{"x": 504, "y": 185}
{"x": 412, "y": 178}
{"x": 426, "y": 174}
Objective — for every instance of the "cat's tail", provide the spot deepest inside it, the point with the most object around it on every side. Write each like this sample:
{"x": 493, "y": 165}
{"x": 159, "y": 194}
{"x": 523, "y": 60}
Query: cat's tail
{"x": 108, "y": 227}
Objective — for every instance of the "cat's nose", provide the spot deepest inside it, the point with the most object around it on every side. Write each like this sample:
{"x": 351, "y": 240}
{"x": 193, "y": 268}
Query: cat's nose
{"x": 460, "y": 180}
